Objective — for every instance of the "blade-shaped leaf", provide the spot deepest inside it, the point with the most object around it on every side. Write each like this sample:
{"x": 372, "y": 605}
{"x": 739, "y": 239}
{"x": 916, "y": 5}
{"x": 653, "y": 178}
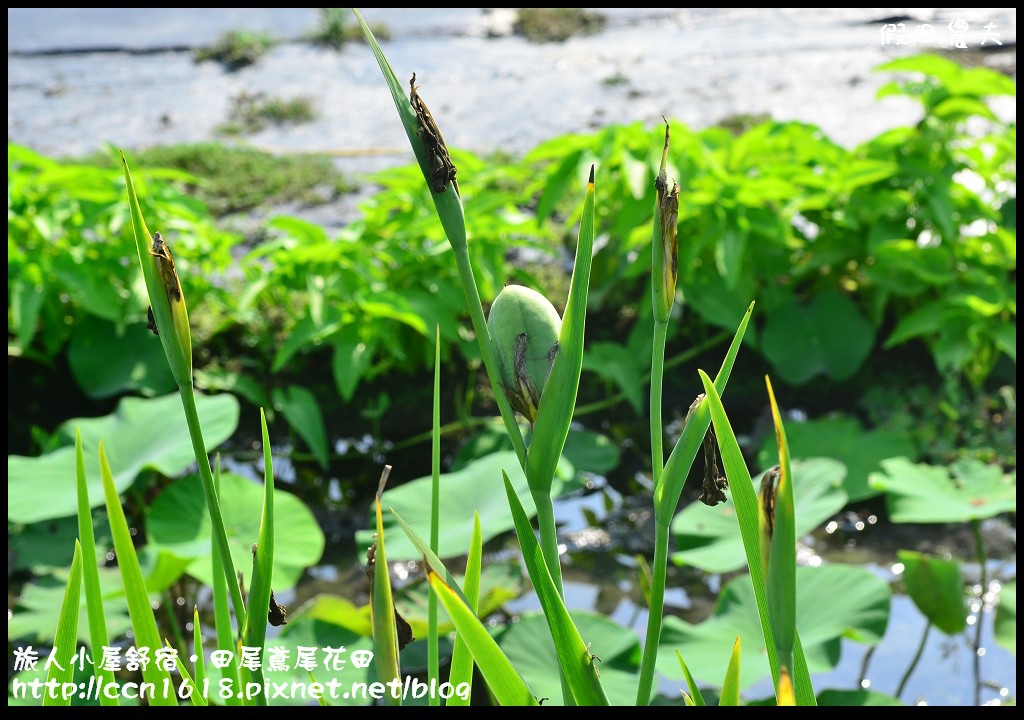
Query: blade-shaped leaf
{"x": 696, "y": 697}
{"x": 502, "y": 679}
{"x": 90, "y": 571}
{"x": 65, "y": 645}
{"x": 573, "y": 655}
{"x": 462, "y": 659}
{"x": 385, "y": 634}
{"x": 677, "y": 467}
{"x": 730, "y": 696}
{"x": 143, "y": 620}
{"x": 781, "y": 570}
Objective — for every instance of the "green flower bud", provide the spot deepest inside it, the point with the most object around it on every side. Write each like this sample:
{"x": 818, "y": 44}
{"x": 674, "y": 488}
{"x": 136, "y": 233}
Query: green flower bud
{"x": 524, "y": 328}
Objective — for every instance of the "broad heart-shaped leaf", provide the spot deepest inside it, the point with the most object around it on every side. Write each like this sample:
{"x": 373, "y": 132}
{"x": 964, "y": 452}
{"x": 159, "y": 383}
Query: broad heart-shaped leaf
{"x": 178, "y": 522}
{"x": 928, "y": 494}
{"x": 299, "y": 407}
{"x": 827, "y": 336}
{"x": 45, "y": 546}
{"x": 844, "y": 439}
{"x": 937, "y": 590}
{"x": 34, "y": 617}
{"x": 139, "y": 434}
{"x": 588, "y": 451}
{"x": 832, "y": 602}
{"x": 477, "y": 487}
{"x": 1006, "y": 617}
{"x": 527, "y": 643}
{"x": 106, "y": 361}
{"x": 709, "y": 539}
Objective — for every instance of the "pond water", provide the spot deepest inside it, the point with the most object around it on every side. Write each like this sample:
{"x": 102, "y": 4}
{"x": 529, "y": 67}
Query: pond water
{"x": 79, "y": 78}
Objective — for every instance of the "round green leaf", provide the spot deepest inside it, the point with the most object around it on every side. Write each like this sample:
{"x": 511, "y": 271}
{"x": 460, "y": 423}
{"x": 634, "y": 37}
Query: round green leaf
{"x": 827, "y": 336}
{"x": 477, "y": 487}
{"x": 107, "y": 359}
{"x": 844, "y": 439}
{"x": 857, "y": 608}
{"x": 708, "y": 537}
{"x": 527, "y": 643}
{"x": 179, "y": 523}
{"x": 34, "y": 616}
{"x": 140, "y": 434}
{"x": 967, "y": 490}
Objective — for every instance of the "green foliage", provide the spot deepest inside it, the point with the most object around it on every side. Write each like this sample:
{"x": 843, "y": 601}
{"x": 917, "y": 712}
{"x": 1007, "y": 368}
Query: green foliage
{"x": 945, "y": 427}
{"x": 68, "y": 227}
{"x": 706, "y": 537}
{"x": 1006, "y": 617}
{"x": 335, "y": 29}
{"x": 541, "y": 25}
{"x": 857, "y": 609}
{"x": 473, "y": 489}
{"x": 527, "y": 644}
{"x": 851, "y": 253}
{"x": 177, "y": 522}
{"x": 856, "y": 698}
{"x": 937, "y": 590}
{"x": 830, "y": 241}
{"x": 252, "y": 112}
{"x": 911, "y": 234}
{"x": 967, "y": 490}
{"x": 37, "y": 486}
{"x": 66, "y": 636}
{"x": 235, "y": 178}
{"x": 236, "y": 49}
{"x": 843, "y": 439}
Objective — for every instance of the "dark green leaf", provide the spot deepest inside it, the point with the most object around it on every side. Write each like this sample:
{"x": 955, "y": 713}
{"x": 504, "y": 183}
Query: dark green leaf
{"x": 937, "y": 589}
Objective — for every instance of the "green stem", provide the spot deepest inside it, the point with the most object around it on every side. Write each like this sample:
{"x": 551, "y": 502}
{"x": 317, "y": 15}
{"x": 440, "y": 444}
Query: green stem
{"x": 549, "y": 548}
{"x": 864, "y": 665}
{"x": 454, "y": 426}
{"x": 655, "y": 614}
{"x": 220, "y": 535}
{"x": 549, "y": 537}
{"x": 979, "y": 546}
{"x": 913, "y": 663}
{"x": 657, "y": 377}
{"x": 172, "y": 619}
{"x": 433, "y": 654}
{"x": 476, "y": 312}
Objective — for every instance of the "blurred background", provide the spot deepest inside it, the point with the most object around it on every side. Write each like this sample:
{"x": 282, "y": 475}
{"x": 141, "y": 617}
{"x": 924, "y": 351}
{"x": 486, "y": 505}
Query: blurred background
{"x": 852, "y": 171}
